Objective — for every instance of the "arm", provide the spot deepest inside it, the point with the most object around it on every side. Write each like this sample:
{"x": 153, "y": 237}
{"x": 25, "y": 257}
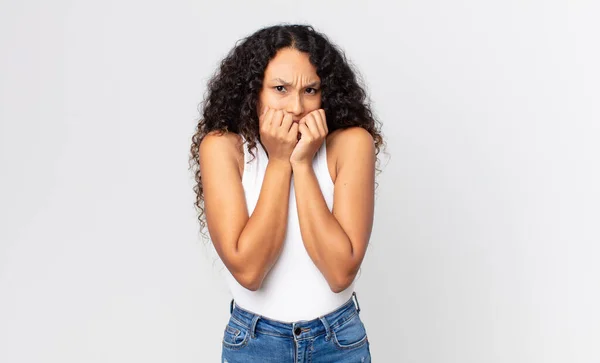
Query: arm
{"x": 337, "y": 241}
{"x": 248, "y": 246}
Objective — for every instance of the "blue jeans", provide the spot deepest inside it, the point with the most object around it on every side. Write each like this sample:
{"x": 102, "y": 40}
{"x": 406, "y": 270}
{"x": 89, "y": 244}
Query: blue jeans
{"x": 339, "y": 336}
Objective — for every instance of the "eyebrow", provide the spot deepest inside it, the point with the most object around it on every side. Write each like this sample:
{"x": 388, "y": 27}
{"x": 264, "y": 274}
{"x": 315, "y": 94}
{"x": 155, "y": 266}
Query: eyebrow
{"x": 285, "y": 83}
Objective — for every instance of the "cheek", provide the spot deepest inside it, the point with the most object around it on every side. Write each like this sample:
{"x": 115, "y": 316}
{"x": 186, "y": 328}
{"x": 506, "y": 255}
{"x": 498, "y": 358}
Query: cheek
{"x": 272, "y": 101}
{"x": 313, "y": 104}
{"x": 261, "y": 103}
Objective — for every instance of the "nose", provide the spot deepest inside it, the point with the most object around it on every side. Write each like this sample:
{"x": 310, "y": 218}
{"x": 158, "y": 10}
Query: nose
{"x": 296, "y": 106}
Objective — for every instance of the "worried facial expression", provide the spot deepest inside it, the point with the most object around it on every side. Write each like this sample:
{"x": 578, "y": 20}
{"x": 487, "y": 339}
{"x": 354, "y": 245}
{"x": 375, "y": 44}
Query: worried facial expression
{"x": 290, "y": 84}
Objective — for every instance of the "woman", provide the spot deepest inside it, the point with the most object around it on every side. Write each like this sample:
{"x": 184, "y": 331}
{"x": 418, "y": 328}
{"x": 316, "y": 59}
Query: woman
{"x": 285, "y": 159}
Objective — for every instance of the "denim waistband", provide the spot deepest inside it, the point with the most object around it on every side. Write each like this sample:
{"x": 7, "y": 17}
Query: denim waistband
{"x": 303, "y": 329}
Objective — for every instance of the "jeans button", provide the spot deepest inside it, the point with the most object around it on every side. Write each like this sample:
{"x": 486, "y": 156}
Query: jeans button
{"x": 297, "y": 331}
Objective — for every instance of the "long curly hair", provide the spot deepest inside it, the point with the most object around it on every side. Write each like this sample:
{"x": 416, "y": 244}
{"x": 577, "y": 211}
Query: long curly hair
{"x": 230, "y": 102}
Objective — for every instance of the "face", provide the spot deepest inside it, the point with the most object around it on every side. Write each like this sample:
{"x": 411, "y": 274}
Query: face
{"x": 290, "y": 84}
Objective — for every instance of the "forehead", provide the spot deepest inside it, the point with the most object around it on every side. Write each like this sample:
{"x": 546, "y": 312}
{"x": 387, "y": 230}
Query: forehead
{"x": 290, "y": 63}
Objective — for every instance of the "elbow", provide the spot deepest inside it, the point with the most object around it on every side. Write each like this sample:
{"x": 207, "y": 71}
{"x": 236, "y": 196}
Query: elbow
{"x": 250, "y": 281}
{"x": 248, "y": 276}
{"x": 341, "y": 283}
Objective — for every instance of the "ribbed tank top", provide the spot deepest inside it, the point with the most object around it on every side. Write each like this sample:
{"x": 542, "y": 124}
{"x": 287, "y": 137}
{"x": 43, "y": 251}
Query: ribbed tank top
{"x": 294, "y": 289}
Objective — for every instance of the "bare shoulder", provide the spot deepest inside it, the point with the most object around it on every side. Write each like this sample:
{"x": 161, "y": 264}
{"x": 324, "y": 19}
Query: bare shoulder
{"x": 348, "y": 144}
{"x": 220, "y": 141}
{"x": 350, "y": 137}
{"x": 222, "y": 148}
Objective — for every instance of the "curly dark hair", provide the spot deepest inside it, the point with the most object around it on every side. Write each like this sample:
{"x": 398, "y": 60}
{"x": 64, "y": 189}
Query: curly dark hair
{"x": 230, "y": 103}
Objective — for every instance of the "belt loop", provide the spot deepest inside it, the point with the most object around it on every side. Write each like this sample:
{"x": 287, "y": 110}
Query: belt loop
{"x": 253, "y": 327}
{"x": 327, "y": 328}
{"x": 231, "y": 307}
{"x": 356, "y": 301}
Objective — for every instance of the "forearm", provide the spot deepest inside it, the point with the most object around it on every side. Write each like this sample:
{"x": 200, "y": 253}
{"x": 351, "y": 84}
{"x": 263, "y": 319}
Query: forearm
{"x": 261, "y": 240}
{"x": 324, "y": 239}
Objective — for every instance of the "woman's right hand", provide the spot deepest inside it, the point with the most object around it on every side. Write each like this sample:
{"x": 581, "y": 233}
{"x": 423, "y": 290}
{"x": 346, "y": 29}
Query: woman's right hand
{"x": 278, "y": 134}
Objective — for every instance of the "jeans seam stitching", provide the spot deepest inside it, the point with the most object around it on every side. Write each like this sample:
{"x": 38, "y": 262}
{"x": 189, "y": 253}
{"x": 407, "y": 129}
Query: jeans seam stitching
{"x": 239, "y": 323}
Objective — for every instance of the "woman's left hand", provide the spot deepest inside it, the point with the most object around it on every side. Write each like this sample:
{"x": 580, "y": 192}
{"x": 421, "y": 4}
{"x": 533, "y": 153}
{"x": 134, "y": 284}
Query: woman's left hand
{"x": 312, "y": 130}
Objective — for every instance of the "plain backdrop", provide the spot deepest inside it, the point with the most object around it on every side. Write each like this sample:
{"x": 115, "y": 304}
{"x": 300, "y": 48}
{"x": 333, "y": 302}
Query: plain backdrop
{"x": 486, "y": 239}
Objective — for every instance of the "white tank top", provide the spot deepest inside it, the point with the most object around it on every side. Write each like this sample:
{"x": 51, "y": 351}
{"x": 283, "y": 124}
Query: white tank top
{"x": 294, "y": 289}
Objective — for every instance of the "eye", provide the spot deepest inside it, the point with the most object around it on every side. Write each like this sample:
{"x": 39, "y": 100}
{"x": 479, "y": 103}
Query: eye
{"x": 311, "y": 91}
{"x": 279, "y": 88}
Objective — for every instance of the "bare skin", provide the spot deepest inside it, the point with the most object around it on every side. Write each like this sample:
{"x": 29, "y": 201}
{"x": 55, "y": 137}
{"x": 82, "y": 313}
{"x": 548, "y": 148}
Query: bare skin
{"x": 292, "y": 129}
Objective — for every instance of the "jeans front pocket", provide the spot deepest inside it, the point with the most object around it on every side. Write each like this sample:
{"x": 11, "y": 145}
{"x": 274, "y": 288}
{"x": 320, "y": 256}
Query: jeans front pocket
{"x": 350, "y": 334}
{"x": 235, "y": 336}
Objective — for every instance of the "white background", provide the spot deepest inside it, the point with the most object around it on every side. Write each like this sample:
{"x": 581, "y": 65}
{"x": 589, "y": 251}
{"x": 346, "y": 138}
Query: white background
{"x": 486, "y": 241}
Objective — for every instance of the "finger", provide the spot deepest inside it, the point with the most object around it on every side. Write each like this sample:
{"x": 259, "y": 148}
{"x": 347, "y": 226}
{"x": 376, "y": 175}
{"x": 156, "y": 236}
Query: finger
{"x": 319, "y": 123}
{"x": 304, "y": 131}
{"x": 293, "y": 133}
{"x": 277, "y": 118}
{"x": 311, "y": 123}
{"x": 286, "y": 123}
{"x": 267, "y": 118}
{"x": 264, "y": 110}
{"x": 324, "y": 117}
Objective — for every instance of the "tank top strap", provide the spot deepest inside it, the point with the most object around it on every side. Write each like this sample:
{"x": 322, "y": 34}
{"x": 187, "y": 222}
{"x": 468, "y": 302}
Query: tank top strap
{"x": 321, "y": 167}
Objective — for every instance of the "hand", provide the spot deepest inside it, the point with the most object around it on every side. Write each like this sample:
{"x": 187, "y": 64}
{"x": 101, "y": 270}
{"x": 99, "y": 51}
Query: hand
{"x": 313, "y": 130}
{"x": 278, "y": 134}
